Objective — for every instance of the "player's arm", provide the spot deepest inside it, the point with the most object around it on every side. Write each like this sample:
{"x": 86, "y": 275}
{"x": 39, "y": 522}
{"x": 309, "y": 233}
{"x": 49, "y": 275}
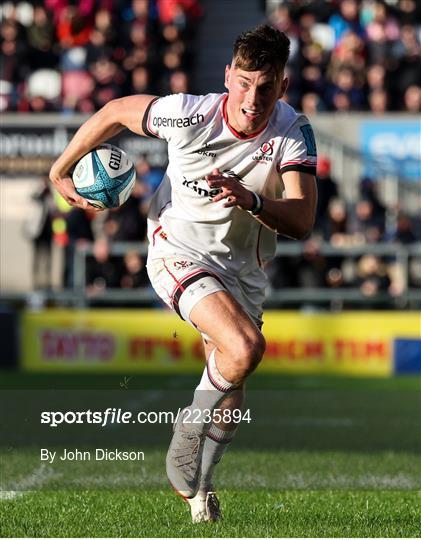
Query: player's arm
{"x": 118, "y": 114}
{"x": 292, "y": 216}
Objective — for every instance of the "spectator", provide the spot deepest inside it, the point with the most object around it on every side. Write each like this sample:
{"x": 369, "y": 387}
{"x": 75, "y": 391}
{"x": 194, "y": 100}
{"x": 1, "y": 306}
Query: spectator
{"x": 179, "y": 82}
{"x": 77, "y": 91}
{"x": 40, "y": 38}
{"x": 327, "y": 190}
{"x": 281, "y": 19}
{"x": 38, "y": 229}
{"x": 151, "y": 177}
{"x": 346, "y": 70}
{"x": 368, "y": 190}
{"x": 307, "y": 270}
{"x": 108, "y": 80}
{"x": 336, "y": 232}
{"x": 14, "y": 66}
{"x": 345, "y": 92}
{"x": 350, "y": 53}
{"x": 335, "y": 228}
{"x": 128, "y": 222}
{"x": 335, "y": 278}
{"x": 134, "y": 273}
{"x": 139, "y": 11}
{"x": 43, "y": 89}
{"x": 378, "y": 101}
{"x": 73, "y": 29}
{"x": 406, "y": 63}
{"x": 312, "y": 103}
{"x": 102, "y": 39}
{"x": 382, "y": 31}
{"x": 138, "y": 47}
{"x": 368, "y": 226}
{"x": 182, "y": 13}
{"x": 412, "y": 99}
{"x": 313, "y": 72}
{"x": 376, "y": 77}
{"x": 372, "y": 276}
{"x": 140, "y": 81}
{"x": 409, "y": 12}
{"x": 103, "y": 270}
{"x": 346, "y": 20}
{"x": 59, "y": 8}
{"x": 103, "y": 23}
{"x": 79, "y": 234}
{"x": 403, "y": 233}
{"x": 415, "y": 272}
{"x": 312, "y": 266}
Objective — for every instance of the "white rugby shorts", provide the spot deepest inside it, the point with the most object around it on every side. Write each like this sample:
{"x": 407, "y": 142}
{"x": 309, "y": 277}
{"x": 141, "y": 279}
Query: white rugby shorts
{"x": 181, "y": 283}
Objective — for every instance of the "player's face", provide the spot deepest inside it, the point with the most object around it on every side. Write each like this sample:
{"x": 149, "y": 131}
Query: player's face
{"x": 252, "y": 96}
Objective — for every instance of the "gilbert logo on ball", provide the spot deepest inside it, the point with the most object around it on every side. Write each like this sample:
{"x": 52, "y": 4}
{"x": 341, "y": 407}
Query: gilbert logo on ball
{"x": 105, "y": 176}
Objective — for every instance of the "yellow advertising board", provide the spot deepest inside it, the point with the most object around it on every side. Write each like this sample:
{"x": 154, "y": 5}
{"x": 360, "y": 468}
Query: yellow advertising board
{"x": 354, "y": 343}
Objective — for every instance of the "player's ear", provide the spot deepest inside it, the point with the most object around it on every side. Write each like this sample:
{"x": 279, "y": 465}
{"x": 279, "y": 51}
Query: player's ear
{"x": 284, "y": 87}
{"x": 227, "y": 76}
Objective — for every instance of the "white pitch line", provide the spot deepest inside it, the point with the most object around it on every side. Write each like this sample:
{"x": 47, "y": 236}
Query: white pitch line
{"x": 29, "y": 483}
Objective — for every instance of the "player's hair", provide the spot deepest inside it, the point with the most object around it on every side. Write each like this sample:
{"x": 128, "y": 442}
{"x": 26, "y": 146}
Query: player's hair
{"x": 263, "y": 46}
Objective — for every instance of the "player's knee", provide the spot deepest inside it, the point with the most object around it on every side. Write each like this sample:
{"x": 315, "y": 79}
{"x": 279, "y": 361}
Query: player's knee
{"x": 250, "y": 353}
{"x": 257, "y": 351}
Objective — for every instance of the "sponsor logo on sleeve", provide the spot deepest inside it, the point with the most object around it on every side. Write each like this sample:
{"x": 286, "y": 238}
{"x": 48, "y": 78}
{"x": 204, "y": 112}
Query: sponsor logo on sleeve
{"x": 309, "y": 140}
{"x": 160, "y": 121}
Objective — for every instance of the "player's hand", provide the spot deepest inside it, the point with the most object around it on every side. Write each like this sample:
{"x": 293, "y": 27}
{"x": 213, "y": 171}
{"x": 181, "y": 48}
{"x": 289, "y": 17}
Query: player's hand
{"x": 232, "y": 191}
{"x": 64, "y": 185}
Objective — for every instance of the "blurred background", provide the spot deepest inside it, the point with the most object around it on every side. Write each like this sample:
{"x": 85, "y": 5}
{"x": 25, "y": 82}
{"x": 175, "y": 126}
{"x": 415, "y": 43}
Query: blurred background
{"x": 345, "y": 301}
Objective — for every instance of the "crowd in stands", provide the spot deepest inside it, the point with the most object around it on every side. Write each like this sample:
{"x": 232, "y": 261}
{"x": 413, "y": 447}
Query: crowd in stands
{"x": 75, "y": 56}
{"x": 53, "y": 221}
{"x": 346, "y": 55}
{"x": 364, "y": 223}
{"x": 352, "y": 55}
{"x": 69, "y": 55}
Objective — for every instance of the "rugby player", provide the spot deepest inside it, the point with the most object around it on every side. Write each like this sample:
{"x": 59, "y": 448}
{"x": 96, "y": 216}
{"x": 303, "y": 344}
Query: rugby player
{"x": 241, "y": 171}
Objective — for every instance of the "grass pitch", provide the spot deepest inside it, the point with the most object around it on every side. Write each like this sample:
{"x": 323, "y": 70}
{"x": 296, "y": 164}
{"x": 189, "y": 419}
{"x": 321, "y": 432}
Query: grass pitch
{"x": 322, "y": 457}
{"x": 257, "y": 513}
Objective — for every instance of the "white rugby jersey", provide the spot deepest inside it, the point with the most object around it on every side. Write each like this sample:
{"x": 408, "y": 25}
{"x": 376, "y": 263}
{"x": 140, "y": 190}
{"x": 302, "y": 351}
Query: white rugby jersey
{"x": 182, "y": 217}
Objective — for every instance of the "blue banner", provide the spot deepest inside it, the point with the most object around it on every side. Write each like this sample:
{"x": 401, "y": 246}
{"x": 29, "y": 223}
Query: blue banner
{"x": 392, "y": 148}
{"x": 407, "y": 356}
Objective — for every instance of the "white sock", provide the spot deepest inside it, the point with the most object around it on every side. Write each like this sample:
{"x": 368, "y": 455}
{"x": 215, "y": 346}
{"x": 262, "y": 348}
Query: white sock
{"x": 216, "y": 444}
{"x": 211, "y": 389}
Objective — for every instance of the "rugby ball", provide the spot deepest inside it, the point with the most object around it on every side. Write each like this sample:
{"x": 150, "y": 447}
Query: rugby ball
{"x": 105, "y": 176}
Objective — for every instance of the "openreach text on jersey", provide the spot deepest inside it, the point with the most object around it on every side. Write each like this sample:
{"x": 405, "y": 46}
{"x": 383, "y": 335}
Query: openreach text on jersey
{"x": 188, "y": 121}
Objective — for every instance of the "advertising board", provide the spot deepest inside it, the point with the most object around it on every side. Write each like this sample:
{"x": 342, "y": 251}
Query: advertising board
{"x": 356, "y": 343}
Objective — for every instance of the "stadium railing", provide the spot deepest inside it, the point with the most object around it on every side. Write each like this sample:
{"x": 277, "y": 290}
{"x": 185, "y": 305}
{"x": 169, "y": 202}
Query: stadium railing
{"x": 80, "y": 296}
{"x": 350, "y": 165}
{"x": 334, "y": 297}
